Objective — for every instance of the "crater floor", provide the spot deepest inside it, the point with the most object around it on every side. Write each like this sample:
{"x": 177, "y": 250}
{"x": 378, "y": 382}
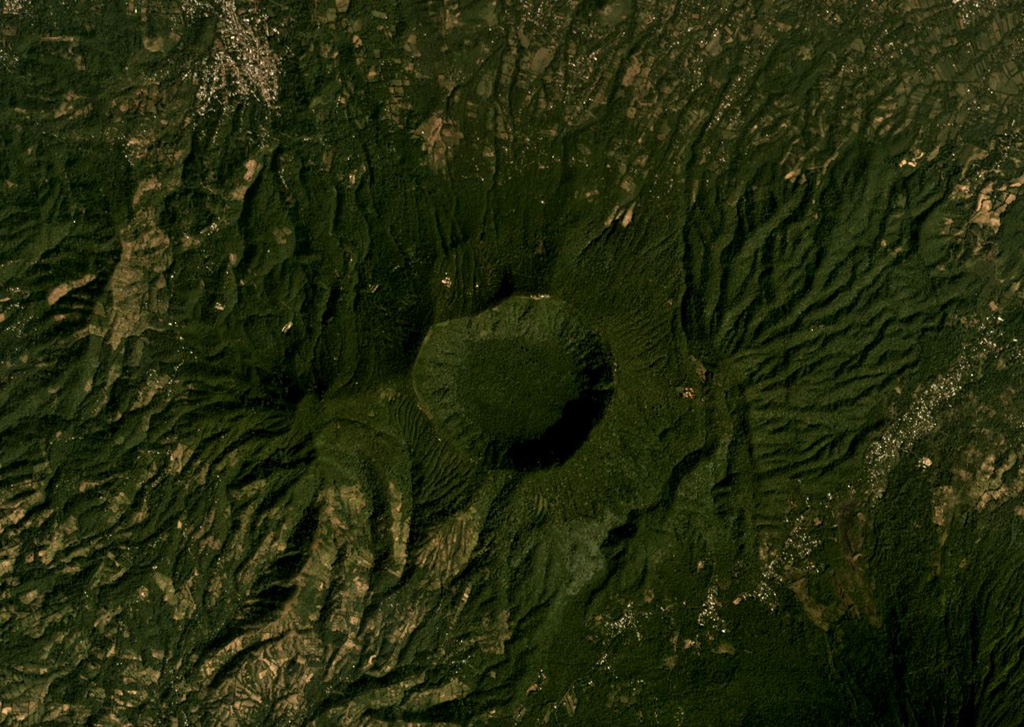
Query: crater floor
{"x": 519, "y": 385}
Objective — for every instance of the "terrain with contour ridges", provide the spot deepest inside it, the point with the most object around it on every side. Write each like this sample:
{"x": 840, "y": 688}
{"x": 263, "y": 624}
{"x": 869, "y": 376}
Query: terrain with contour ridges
{"x": 595, "y": 362}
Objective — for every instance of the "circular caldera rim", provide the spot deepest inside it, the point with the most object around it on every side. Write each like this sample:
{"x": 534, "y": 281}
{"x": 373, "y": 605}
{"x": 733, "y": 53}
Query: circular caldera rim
{"x": 519, "y": 385}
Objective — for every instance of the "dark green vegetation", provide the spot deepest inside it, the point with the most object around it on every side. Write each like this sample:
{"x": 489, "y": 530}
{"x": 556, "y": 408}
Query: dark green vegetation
{"x": 241, "y": 241}
{"x": 519, "y": 385}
